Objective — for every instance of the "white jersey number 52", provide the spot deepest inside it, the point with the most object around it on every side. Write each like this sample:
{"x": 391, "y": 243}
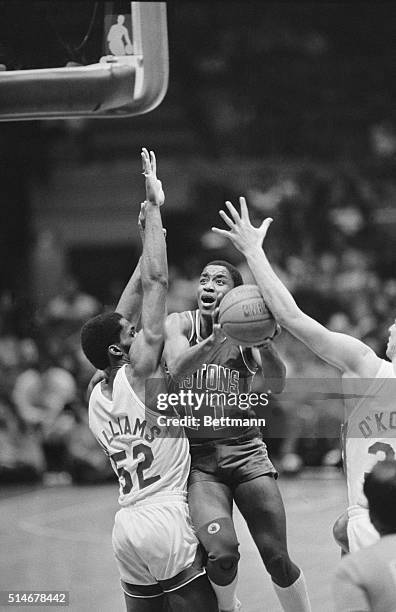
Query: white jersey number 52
{"x": 145, "y": 462}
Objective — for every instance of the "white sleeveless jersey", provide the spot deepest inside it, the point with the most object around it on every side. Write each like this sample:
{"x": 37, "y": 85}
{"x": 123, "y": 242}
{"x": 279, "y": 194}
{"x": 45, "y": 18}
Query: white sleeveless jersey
{"x": 370, "y": 433}
{"x": 148, "y": 457}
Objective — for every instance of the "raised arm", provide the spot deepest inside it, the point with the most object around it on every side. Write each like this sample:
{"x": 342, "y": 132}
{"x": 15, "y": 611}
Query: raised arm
{"x": 146, "y": 351}
{"x": 344, "y": 352}
{"x": 130, "y": 302}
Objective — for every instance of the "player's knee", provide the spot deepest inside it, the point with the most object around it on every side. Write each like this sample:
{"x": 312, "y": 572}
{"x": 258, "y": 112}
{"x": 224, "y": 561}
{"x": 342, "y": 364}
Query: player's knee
{"x": 220, "y": 542}
{"x": 222, "y": 567}
{"x": 281, "y": 569}
{"x": 340, "y": 532}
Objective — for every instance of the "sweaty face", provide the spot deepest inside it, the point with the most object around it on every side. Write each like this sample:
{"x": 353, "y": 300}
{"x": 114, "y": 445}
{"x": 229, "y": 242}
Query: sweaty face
{"x": 214, "y": 283}
{"x": 391, "y": 346}
{"x": 127, "y": 334}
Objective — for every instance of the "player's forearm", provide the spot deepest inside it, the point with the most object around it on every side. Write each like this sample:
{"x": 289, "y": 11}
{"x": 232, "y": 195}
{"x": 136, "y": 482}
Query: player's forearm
{"x": 278, "y": 299}
{"x": 191, "y": 359}
{"x": 130, "y": 303}
{"x": 154, "y": 265}
{"x": 273, "y": 367}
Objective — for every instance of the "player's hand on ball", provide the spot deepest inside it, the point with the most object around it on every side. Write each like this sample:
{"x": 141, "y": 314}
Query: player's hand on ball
{"x": 154, "y": 191}
{"x": 278, "y": 330}
{"x": 268, "y": 341}
{"x": 242, "y": 234}
{"x": 217, "y": 332}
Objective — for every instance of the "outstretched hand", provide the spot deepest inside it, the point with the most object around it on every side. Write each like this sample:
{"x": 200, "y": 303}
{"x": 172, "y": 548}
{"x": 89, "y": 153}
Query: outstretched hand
{"x": 154, "y": 191}
{"x": 242, "y": 234}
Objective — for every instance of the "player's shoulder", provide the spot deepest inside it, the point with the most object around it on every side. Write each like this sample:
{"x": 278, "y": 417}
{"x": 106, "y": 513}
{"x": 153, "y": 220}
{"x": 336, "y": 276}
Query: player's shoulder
{"x": 99, "y": 394}
{"x": 179, "y": 321}
{"x": 100, "y": 404}
{"x": 373, "y": 366}
{"x": 386, "y": 368}
{"x": 120, "y": 376}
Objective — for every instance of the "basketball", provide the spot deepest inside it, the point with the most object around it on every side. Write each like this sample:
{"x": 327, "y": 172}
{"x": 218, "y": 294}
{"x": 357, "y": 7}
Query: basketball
{"x": 244, "y": 317}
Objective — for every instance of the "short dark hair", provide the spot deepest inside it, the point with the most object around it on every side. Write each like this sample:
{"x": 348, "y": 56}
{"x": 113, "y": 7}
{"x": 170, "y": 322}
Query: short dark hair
{"x": 380, "y": 490}
{"x": 235, "y": 274}
{"x": 97, "y": 335}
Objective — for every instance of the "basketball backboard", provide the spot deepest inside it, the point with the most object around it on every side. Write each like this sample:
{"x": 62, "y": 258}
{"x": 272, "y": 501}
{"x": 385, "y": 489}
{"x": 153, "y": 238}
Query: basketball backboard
{"x": 81, "y": 59}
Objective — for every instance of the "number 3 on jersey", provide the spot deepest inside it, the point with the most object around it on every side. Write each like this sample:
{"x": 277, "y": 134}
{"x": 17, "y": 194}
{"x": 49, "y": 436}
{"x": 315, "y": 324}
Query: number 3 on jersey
{"x": 386, "y": 450}
{"x": 145, "y": 457}
{"x": 383, "y": 447}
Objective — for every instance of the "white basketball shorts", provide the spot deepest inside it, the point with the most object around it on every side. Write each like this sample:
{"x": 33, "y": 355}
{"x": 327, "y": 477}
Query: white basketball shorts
{"x": 155, "y": 546}
{"x": 360, "y": 530}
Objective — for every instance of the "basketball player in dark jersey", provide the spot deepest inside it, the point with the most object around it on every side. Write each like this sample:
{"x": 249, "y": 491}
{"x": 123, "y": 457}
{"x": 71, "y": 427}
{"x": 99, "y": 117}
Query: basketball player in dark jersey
{"x": 230, "y": 463}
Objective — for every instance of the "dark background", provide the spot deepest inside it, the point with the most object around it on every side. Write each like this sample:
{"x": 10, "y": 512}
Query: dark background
{"x": 311, "y": 82}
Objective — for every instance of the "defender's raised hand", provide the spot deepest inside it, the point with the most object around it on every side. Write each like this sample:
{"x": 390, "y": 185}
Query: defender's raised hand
{"x": 242, "y": 234}
{"x": 154, "y": 191}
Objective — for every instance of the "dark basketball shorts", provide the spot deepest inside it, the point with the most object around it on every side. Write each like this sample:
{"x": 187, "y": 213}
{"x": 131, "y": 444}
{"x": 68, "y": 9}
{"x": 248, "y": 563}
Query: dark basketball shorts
{"x": 231, "y": 461}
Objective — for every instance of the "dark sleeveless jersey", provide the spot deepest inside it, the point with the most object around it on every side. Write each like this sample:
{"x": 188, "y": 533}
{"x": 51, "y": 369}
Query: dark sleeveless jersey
{"x": 216, "y": 391}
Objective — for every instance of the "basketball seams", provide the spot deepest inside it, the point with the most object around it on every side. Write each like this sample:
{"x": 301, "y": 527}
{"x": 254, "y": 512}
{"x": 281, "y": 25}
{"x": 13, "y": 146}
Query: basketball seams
{"x": 241, "y": 300}
{"x": 248, "y": 339}
{"x": 264, "y": 316}
{"x": 241, "y": 328}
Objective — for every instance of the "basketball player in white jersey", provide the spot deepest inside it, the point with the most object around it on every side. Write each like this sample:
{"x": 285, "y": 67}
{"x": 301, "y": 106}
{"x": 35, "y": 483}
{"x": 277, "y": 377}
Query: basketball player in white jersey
{"x": 156, "y": 550}
{"x": 370, "y": 420}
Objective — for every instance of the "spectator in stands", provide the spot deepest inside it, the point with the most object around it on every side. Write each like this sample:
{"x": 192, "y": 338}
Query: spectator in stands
{"x": 41, "y": 394}
{"x": 21, "y": 456}
{"x": 88, "y": 464}
{"x": 72, "y": 304}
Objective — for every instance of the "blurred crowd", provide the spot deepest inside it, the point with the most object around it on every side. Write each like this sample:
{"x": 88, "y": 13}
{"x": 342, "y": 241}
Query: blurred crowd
{"x": 43, "y": 377}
